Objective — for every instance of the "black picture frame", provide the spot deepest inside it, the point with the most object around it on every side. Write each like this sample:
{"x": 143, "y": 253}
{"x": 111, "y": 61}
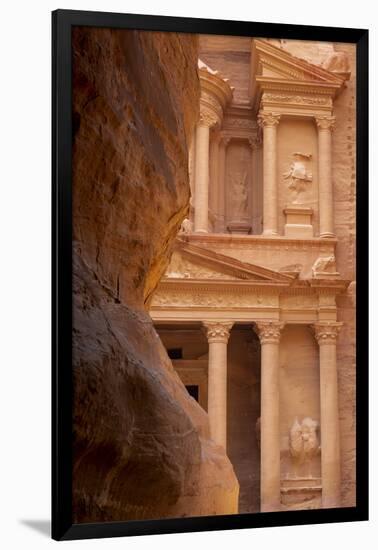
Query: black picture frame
{"x": 62, "y": 526}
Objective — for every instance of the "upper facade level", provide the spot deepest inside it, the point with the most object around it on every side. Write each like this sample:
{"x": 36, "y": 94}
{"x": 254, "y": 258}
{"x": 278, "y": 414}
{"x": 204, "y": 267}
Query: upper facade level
{"x": 261, "y": 157}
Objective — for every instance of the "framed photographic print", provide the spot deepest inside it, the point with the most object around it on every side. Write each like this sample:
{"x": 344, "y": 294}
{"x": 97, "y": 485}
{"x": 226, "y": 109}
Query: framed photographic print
{"x": 210, "y": 275}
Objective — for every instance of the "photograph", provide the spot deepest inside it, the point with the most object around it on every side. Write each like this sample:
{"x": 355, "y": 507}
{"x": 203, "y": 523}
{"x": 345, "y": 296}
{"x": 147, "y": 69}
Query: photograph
{"x": 208, "y": 259}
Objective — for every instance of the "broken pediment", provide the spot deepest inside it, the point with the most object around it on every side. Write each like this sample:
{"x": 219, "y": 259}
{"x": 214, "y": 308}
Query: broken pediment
{"x": 195, "y": 262}
{"x": 274, "y": 69}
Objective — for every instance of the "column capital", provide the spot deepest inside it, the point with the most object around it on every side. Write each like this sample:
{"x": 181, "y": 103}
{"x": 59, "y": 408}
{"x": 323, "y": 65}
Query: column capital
{"x": 269, "y": 120}
{"x": 326, "y": 332}
{"x": 269, "y": 332}
{"x": 207, "y": 118}
{"x": 217, "y": 331}
{"x": 325, "y": 122}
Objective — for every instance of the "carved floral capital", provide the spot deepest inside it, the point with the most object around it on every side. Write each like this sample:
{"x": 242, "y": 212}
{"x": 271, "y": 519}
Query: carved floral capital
{"x": 326, "y": 332}
{"x": 268, "y": 120}
{"x": 208, "y": 118}
{"x": 217, "y": 331}
{"x": 325, "y": 122}
{"x": 269, "y": 332}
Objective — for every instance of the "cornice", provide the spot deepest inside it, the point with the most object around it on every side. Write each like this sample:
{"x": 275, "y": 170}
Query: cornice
{"x": 223, "y": 238}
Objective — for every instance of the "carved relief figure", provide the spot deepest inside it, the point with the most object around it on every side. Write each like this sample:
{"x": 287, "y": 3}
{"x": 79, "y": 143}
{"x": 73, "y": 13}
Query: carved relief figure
{"x": 298, "y": 174}
{"x": 337, "y": 62}
{"x": 324, "y": 265}
{"x": 303, "y": 440}
{"x": 239, "y": 195}
{"x": 186, "y": 227}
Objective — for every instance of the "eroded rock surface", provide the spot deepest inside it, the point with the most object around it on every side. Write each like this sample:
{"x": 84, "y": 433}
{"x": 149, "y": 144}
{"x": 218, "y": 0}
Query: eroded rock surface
{"x": 141, "y": 444}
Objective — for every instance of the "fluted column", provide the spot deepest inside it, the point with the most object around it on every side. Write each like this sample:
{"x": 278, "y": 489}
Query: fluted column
{"x": 325, "y": 125}
{"x": 217, "y": 336}
{"x": 269, "y": 122}
{"x": 326, "y": 335}
{"x": 269, "y": 333}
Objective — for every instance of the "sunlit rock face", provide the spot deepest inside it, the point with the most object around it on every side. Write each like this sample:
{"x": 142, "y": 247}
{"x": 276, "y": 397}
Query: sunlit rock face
{"x": 141, "y": 444}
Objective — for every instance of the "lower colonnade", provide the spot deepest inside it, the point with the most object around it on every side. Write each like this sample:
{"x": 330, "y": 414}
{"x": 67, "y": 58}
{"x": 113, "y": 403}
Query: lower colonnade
{"x": 269, "y": 333}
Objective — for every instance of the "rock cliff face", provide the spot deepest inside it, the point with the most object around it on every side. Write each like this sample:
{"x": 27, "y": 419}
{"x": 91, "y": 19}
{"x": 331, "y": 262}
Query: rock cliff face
{"x": 141, "y": 444}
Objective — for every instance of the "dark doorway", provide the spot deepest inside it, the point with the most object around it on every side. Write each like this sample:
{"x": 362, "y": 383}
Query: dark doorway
{"x": 193, "y": 391}
{"x": 175, "y": 353}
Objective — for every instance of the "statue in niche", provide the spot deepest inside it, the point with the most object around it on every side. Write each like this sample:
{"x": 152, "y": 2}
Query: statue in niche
{"x": 239, "y": 196}
{"x": 303, "y": 440}
{"x": 298, "y": 175}
{"x": 186, "y": 227}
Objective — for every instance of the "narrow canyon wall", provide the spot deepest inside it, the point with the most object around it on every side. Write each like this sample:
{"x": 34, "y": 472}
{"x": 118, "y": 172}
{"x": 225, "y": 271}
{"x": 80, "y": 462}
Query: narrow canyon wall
{"x": 141, "y": 444}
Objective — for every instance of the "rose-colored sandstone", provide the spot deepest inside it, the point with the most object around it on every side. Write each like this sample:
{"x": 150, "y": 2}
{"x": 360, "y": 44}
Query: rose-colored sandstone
{"x": 141, "y": 444}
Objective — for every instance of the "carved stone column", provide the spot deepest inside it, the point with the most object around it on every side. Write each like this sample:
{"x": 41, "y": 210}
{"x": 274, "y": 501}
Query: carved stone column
{"x": 201, "y": 197}
{"x": 269, "y": 122}
{"x": 325, "y": 125}
{"x": 191, "y": 163}
{"x": 222, "y": 187}
{"x": 214, "y": 175}
{"x": 326, "y": 336}
{"x": 269, "y": 333}
{"x": 254, "y": 144}
{"x": 217, "y": 335}
{"x": 216, "y": 93}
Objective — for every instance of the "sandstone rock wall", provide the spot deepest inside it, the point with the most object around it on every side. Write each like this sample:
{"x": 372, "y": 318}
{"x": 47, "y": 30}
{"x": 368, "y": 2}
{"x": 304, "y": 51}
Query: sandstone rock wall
{"x": 141, "y": 444}
{"x": 344, "y": 177}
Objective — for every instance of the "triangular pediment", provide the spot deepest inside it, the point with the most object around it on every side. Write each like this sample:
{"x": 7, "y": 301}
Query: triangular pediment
{"x": 196, "y": 262}
{"x": 275, "y": 62}
{"x": 272, "y": 65}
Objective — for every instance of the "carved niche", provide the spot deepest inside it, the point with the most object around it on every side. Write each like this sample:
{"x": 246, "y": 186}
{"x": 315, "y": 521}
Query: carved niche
{"x": 238, "y": 182}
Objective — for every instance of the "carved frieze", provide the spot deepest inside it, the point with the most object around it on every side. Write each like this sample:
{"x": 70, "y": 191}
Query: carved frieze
{"x": 299, "y": 301}
{"x": 297, "y": 99}
{"x": 212, "y": 299}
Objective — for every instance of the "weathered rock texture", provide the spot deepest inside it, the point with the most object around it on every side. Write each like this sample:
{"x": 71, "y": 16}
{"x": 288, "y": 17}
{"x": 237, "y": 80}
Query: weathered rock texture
{"x": 141, "y": 444}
